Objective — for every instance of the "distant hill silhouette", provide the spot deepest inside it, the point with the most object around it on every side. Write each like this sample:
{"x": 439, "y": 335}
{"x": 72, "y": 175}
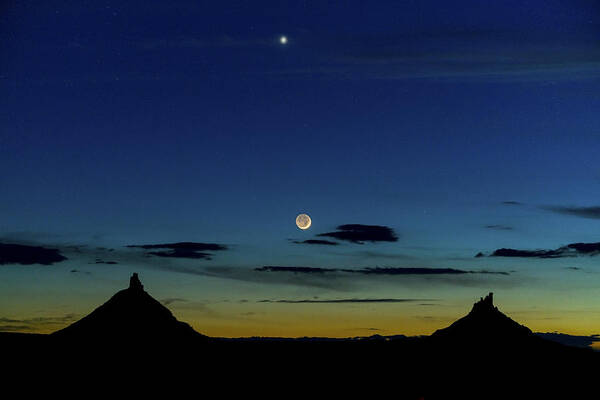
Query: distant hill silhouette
{"x": 131, "y": 314}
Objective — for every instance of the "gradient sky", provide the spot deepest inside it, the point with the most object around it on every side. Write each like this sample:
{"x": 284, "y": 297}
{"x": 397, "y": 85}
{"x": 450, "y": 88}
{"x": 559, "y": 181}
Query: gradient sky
{"x": 464, "y": 127}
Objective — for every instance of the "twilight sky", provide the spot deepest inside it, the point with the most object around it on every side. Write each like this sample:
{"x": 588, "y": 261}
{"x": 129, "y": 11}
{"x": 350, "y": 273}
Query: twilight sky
{"x": 441, "y": 130}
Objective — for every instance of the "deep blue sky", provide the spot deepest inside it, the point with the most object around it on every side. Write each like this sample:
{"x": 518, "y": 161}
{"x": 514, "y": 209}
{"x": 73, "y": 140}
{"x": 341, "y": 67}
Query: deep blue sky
{"x": 125, "y": 122}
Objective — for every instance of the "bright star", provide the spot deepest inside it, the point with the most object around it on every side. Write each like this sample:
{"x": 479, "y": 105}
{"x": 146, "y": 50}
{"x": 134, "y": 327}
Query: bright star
{"x": 283, "y": 40}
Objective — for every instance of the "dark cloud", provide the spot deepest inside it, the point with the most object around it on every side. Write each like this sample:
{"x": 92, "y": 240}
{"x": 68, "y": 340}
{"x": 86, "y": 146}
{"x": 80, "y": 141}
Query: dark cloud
{"x": 9, "y": 320}
{"x": 171, "y": 300}
{"x": 410, "y": 271}
{"x": 570, "y": 340}
{"x": 583, "y": 212}
{"x": 184, "y": 246}
{"x": 189, "y": 250}
{"x": 499, "y": 227}
{"x": 248, "y": 313}
{"x": 571, "y": 250}
{"x": 421, "y": 271}
{"x": 182, "y": 254}
{"x": 14, "y": 328}
{"x": 377, "y": 254}
{"x": 528, "y": 253}
{"x": 27, "y": 255}
{"x": 585, "y": 248}
{"x": 334, "y": 301}
{"x": 317, "y": 242}
{"x": 512, "y": 203}
{"x": 34, "y": 324}
{"x": 302, "y": 270}
{"x": 99, "y": 261}
{"x": 43, "y": 320}
{"x": 483, "y": 271}
{"x": 376, "y": 271}
{"x": 76, "y": 271}
{"x": 357, "y": 233}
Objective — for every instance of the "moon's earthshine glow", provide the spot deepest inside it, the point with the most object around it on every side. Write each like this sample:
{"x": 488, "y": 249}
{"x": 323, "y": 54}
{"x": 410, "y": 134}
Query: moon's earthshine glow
{"x": 303, "y": 221}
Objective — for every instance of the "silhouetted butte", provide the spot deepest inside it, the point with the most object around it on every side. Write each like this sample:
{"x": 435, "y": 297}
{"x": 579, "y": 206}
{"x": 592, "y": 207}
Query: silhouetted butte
{"x": 131, "y": 314}
{"x": 484, "y": 322}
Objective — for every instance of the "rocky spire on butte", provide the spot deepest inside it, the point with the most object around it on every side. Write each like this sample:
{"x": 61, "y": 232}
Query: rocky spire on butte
{"x": 483, "y": 305}
{"x": 134, "y": 282}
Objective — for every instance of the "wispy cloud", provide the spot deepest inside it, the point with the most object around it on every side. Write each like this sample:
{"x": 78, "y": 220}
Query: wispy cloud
{"x": 376, "y": 270}
{"x": 570, "y": 250}
{"x": 35, "y": 324}
{"x": 372, "y": 254}
{"x": 528, "y": 253}
{"x": 460, "y": 55}
{"x": 499, "y": 227}
{"x": 100, "y": 261}
{"x": 171, "y": 300}
{"x": 334, "y": 301}
{"x": 317, "y": 242}
{"x": 296, "y": 270}
{"x": 15, "y": 328}
{"x": 190, "y": 250}
{"x": 583, "y": 212}
{"x": 347, "y": 280}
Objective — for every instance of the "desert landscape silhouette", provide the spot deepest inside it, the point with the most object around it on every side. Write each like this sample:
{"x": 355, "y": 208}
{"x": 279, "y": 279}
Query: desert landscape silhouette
{"x": 484, "y": 354}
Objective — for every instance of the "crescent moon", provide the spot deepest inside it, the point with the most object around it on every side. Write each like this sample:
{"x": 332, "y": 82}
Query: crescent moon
{"x": 303, "y": 221}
